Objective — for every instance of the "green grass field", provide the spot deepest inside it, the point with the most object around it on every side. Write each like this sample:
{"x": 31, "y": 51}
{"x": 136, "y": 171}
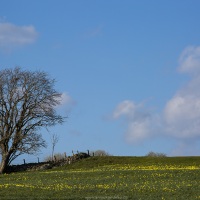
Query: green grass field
{"x": 109, "y": 178}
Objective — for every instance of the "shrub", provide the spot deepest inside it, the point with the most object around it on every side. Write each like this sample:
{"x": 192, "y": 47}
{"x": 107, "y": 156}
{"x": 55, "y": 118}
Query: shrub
{"x": 57, "y": 157}
{"x": 153, "y": 154}
{"x": 99, "y": 153}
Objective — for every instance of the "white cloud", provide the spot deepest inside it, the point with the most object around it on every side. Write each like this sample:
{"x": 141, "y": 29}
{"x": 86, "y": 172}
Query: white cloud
{"x": 138, "y": 131}
{"x": 182, "y": 112}
{"x": 190, "y": 60}
{"x": 12, "y": 36}
{"x": 66, "y": 99}
{"x": 139, "y": 121}
{"x": 126, "y": 108}
{"x": 180, "y": 118}
{"x": 66, "y": 102}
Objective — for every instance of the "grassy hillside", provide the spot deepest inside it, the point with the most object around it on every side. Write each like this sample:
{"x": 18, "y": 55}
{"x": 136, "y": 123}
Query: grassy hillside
{"x": 94, "y": 162}
{"x": 109, "y": 178}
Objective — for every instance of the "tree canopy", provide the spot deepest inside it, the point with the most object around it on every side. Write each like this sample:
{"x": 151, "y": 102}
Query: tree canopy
{"x": 28, "y": 102}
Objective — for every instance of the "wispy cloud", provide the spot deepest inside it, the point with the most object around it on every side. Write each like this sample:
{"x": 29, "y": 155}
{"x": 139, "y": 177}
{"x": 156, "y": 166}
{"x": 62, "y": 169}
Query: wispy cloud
{"x": 93, "y": 32}
{"x": 189, "y": 60}
{"x": 12, "y": 36}
{"x": 139, "y": 121}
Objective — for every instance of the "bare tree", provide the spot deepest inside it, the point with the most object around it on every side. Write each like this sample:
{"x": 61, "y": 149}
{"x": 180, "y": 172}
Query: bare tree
{"x": 54, "y": 141}
{"x": 27, "y": 103}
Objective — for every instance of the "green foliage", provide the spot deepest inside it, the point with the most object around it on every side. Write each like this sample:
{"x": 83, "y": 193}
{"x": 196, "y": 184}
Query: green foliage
{"x": 109, "y": 178}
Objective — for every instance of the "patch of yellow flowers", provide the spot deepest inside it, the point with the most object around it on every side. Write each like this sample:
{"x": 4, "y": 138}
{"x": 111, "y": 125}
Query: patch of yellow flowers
{"x": 114, "y": 177}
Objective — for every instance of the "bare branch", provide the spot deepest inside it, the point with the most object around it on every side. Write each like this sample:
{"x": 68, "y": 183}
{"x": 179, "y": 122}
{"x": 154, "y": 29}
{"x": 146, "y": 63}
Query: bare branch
{"x": 27, "y": 103}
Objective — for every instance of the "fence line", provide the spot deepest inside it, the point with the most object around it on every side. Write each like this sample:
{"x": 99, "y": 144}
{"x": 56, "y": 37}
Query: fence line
{"x": 38, "y": 159}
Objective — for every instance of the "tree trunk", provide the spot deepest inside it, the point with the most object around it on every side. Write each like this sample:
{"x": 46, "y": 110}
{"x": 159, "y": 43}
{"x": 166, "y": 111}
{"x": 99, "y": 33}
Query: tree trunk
{"x": 4, "y": 163}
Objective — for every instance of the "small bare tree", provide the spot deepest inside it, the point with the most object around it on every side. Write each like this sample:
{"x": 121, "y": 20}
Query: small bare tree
{"x": 54, "y": 141}
{"x": 27, "y": 103}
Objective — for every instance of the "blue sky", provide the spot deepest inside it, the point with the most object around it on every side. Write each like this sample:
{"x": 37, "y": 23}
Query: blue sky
{"x": 129, "y": 70}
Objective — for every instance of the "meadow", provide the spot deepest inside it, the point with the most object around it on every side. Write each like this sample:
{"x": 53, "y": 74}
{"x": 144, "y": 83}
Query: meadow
{"x": 109, "y": 178}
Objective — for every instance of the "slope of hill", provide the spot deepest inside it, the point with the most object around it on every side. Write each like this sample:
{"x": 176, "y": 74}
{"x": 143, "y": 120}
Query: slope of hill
{"x": 109, "y": 178}
{"x": 99, "y": 161}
